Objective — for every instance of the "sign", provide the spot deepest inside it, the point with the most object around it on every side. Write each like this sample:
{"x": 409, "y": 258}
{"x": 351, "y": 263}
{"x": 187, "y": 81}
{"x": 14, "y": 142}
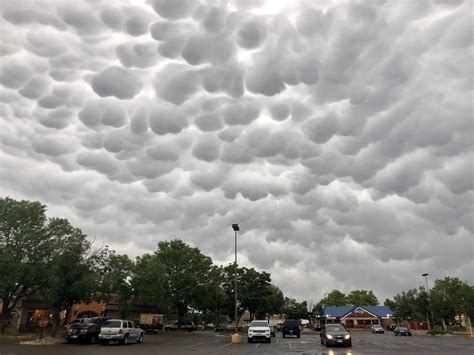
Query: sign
{"x": 43, "y": 323}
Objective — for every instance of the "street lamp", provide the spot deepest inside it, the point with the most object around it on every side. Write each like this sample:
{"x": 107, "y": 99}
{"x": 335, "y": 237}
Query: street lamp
{"x": 235, "y": 227}
{"x": 429, "y": 298}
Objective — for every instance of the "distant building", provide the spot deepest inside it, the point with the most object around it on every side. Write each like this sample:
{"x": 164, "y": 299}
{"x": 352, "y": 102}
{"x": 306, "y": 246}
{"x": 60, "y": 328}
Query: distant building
{"x": 357, "y": 316}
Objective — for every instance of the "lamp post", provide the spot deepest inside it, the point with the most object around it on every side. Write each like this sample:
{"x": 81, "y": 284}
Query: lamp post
{"x": 235, "y": 227}
{"x": 429, "y": 298}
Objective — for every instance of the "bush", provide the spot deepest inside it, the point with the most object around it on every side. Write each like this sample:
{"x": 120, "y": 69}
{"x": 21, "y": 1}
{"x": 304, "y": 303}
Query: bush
{"x": 457, "y": 329}
{"x": 438, "y": 332}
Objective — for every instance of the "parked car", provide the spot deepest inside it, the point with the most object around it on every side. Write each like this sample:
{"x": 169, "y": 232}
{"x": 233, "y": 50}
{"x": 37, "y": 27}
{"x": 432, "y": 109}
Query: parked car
{"x": 377, "y": 329}
{"x": 402, "y": 331}
{"x": 73, "y": 323}
{"x": 189, "y": 326}
{"x": 335, "y": 334}
{"x": 291, "y": 327}
{"x": 259, "y": 329}
{"x": 317, "y": 327}
{"x": 121, "y": 331}
{"x": 391, "y": 327}
{"x": 87, "y": 331}
{"x": 224, "y": 328}
{"x": 272, "y": 330}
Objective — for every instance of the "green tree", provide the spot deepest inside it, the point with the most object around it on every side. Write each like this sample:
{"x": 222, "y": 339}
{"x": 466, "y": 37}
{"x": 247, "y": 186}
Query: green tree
{"x": 254, "y": 289}
{"x": 115, "y": 283}
{"x": 185, "y": 274}
{"x": 293, "y": 309}
{"x": 412, "y": 304}
{"x": 25, "y": 252}
{"x": 148, "y": 283}
{"x": 362, "y": 298}
{"x": 71, "y": 272}
{"x": 450, "y": 297}
{"x": 334, "y": 298}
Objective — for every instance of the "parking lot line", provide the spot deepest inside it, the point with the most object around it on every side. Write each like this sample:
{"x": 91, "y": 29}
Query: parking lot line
{"x": 223, "y": 346}
{"x": 257, "y": 345}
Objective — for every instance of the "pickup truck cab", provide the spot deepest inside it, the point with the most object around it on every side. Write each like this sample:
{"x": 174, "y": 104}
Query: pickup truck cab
{"x": 121, "y": 331}
{"x": 291, "y": 327}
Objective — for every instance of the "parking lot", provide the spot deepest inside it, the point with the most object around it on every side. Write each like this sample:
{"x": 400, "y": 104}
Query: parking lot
{"x": 176, "y": 343}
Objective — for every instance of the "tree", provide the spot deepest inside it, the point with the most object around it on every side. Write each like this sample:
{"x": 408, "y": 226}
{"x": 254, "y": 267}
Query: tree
{"x": 116, "y": 284}
{"x": 255, "y": 293}
{"x": 412, "y": 304}
{"x": 294, "y": 309}
{"x": 334, "y": 298}
{"x": 451, "y": 297}
{"x": 185, "y": 273}
{"x": 71, "y": 272}
{"x": 362, "y": 298}
{"x": 25, "y": 252}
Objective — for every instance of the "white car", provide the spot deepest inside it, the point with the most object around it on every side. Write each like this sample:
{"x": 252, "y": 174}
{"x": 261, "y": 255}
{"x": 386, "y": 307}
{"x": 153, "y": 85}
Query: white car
{"x": 119, "y": 330}
{"x": 377, "y": 329}
{"x": 259, "y": 329}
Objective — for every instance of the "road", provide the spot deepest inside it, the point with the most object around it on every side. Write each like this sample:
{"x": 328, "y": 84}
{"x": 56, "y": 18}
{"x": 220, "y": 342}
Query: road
{"x": 177, "y": 343}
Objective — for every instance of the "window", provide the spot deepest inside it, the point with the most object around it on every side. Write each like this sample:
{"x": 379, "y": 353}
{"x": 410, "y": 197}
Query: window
{"x": 130, "y": 325}
{"x": 113, "y": 324}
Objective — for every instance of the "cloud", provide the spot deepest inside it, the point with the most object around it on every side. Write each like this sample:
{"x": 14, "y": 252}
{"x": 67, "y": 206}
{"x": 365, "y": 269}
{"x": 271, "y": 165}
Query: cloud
{"x": 333, "y": 133}
{"x": 118, "y": 82}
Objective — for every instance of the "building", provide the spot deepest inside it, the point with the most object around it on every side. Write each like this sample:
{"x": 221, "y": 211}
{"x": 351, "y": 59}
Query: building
{"x": 361, "y": 317}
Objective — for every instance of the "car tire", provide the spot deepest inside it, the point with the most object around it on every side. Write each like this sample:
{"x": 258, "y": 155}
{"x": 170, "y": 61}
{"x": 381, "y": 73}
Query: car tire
{"x": 140, "y": 338}
{"x": 269, "y": 340}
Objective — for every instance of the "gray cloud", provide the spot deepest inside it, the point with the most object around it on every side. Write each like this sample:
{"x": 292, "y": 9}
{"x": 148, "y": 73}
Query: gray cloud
{"x": 118, "y": 82}
{"x": 331, "y": 132}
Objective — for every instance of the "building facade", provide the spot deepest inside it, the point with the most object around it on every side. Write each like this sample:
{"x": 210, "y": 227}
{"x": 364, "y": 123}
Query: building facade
{"x": 359, "y": 317}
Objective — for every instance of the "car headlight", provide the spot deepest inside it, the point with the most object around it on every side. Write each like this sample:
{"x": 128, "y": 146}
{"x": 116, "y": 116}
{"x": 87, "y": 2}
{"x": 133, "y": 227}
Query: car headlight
{"x": 329, "y": 336}
{"x": 348, "y": 336}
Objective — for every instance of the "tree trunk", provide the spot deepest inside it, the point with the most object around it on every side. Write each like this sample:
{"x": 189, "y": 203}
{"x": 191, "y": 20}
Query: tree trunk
{"x": 180, "y": 319}
{"x": 5, "y": 314}
{"x": 54, "y": 330}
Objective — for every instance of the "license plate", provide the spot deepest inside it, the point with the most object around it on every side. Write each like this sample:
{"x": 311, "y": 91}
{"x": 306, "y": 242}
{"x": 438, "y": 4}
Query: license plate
{"x": 339, "y": 341}
{"x": 108, "y": 336}
{"x": 73, "y": 336}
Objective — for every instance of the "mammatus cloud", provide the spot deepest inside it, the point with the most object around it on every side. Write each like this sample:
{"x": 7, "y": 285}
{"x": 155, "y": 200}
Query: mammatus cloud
{"x": 337, "y": 134}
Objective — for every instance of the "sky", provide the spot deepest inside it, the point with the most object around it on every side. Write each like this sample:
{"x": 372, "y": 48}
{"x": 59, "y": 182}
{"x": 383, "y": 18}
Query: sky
{"x": 337, "y": 134}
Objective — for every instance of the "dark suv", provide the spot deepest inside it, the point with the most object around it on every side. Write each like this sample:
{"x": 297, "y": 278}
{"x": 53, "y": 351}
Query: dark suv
{"x": 291, "y": 327}
{"x": 87, "y": 331}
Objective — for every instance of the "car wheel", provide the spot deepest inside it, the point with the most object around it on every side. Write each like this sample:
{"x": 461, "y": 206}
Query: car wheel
{"x": 125, "y": 339}
{"x": 269, "y": 340}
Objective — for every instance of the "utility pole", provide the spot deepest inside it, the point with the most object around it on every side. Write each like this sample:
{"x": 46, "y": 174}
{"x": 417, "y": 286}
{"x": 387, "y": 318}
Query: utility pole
{"x": 429, "y": 299}
{"x": 235, "y": 227}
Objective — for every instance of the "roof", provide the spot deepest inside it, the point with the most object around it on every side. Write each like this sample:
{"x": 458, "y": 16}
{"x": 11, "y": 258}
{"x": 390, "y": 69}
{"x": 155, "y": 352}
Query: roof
{"x": 340, "y": 311}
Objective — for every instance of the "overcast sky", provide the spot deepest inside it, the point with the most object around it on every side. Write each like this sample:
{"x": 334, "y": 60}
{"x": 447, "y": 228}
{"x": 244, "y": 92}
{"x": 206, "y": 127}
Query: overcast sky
{"x": 337, "y": 134}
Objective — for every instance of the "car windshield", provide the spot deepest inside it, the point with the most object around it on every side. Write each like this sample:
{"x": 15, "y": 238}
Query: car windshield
{"x": 112, "y": 324}
{"x": 335, "y": 328}
{"x": 291, "y": 322}
{"x": 259, "y": 324}
{"x": 402, "y": 328}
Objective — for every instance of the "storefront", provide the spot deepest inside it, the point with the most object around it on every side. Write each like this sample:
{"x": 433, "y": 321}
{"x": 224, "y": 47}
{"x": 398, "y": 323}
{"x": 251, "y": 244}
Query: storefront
{"x": 362, "y": 317}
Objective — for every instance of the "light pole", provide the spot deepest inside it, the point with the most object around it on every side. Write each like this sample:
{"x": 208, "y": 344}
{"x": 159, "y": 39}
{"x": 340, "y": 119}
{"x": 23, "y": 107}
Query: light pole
{"x": 429, "y": 299}
{"x": 235, "y": 227}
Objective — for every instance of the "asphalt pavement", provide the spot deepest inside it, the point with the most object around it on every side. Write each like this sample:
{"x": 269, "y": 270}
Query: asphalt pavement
{"x": 177, "y": 343}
